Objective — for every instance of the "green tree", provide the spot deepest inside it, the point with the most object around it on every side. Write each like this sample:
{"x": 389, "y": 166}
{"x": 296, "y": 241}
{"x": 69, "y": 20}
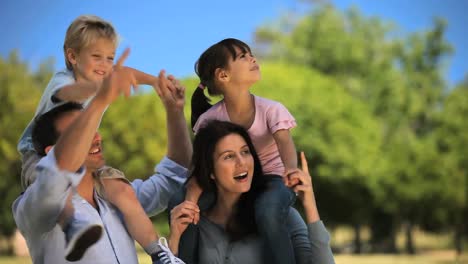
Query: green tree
{"x": 337, "y": 132}
{"x": 400, "y": 79}
{"x": 452, "y": 135}
{"x": 20, "y": 92}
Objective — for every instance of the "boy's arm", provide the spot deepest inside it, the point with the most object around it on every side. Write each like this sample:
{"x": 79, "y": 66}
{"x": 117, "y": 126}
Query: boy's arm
{"x": 81, "y": 91}
{"x": 77, "y": 92}
{"x": 73, "y": 144}
{"x": 142, "y": 77}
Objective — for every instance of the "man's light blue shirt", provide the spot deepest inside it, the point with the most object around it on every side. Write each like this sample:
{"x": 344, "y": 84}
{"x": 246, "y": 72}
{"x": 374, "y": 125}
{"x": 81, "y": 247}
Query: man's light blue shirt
{"x": 36, "y": 212}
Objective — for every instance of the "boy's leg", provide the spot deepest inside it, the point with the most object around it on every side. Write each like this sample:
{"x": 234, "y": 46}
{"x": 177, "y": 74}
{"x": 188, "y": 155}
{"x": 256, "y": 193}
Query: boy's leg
{"x": 271, "y": 210}
{"x": 120, "y": 193}
{"x": 79, "y": 234}
{"x": 122, "y": 196}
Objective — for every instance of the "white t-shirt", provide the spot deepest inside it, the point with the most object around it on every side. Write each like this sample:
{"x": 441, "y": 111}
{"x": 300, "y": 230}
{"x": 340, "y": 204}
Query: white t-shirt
{"x": 59, "y": 80}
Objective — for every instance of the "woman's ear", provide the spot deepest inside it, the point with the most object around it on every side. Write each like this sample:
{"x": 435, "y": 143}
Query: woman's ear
{"x": 212, "y": 176}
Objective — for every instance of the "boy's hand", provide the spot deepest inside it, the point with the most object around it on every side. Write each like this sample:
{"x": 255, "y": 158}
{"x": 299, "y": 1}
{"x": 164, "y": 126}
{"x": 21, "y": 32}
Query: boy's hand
{"x": 118, "y": 82}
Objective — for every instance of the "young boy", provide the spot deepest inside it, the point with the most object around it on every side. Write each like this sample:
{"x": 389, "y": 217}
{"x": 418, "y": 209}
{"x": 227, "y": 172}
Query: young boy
{"x": 89, "y": 50}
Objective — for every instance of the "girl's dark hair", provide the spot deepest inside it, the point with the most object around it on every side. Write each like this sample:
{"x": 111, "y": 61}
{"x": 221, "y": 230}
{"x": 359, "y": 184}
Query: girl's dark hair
{"x": 215, "y": 57}
{"x": 243, "y": 221}
{"x": 44, "y": 131}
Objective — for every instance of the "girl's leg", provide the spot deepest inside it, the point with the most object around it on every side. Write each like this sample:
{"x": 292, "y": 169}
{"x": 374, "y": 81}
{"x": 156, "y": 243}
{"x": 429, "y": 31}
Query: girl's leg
{"x": 271, "y": 210}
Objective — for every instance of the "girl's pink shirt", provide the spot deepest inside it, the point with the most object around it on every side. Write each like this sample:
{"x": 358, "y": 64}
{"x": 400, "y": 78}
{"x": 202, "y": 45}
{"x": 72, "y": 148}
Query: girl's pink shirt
{"x": 270, "y": 116}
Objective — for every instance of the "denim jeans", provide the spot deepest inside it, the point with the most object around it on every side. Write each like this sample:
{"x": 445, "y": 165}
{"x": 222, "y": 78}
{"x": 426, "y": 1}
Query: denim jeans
{"x": 271, "y": 210}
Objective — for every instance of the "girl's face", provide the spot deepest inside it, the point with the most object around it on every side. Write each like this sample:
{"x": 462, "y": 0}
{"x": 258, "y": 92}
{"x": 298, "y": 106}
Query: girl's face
{"x": 243, "y": 69}
{"x": 233, "y": 165}
{"x": 93, "y": 63}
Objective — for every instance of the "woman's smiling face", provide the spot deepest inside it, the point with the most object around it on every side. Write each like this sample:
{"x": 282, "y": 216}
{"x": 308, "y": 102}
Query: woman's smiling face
{"x": 233, "y": 165}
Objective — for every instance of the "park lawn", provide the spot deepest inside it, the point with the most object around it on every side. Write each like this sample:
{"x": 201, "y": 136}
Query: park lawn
{"x": 438, "y": 257}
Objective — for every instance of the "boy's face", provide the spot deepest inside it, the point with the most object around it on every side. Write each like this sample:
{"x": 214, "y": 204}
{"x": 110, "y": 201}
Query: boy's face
{"x": 95, "y": 61}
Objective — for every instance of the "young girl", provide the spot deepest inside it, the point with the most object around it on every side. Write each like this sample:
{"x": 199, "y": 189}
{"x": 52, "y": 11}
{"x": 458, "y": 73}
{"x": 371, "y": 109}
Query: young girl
{"x": 228, "y": 68}
{"x": 89, "y": 50}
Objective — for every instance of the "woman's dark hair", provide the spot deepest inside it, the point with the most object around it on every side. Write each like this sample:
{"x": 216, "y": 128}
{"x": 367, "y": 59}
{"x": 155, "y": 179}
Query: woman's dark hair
{"x": 204, "y": 145}
{"x": 44, "y": 132}
{"x": 215, "y": 57}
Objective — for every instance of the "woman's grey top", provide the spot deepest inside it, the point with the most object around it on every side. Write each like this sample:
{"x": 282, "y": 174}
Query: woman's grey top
{"x": 311, "y": 243}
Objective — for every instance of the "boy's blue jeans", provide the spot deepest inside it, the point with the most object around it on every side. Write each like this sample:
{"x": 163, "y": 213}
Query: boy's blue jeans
{"x": 271, "y": 211}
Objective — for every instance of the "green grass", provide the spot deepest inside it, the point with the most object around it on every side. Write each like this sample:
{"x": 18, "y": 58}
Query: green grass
{"x": 437, "y": 257}
{"x": 432, "y": 248}
{"x": 440, "y": 257}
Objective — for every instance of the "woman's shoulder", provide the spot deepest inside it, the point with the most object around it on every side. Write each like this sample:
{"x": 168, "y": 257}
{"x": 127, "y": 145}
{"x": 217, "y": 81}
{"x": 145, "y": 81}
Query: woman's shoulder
{"x": 294, "y": 218}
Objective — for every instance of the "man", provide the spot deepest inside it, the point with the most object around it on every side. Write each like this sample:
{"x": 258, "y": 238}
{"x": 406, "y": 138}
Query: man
{"x": 68, "y": 169}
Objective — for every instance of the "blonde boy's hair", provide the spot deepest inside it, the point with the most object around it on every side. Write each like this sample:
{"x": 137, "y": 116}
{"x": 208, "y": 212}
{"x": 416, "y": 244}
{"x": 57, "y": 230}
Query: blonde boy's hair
{"x": 83, "y": 31}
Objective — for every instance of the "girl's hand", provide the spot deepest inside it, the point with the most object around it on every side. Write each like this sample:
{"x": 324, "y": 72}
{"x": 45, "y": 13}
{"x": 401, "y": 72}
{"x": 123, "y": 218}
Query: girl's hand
{"x": 301, "y": 181}
{"x": 305, "y": 190}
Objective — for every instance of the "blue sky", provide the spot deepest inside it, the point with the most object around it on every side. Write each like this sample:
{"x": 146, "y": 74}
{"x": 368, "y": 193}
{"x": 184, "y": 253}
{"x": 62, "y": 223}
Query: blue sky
{"x": 172, "y": 34}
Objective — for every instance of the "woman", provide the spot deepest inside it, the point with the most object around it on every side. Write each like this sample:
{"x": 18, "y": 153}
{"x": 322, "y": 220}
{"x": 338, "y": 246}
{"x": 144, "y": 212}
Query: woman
{"x": 225, "y": 163}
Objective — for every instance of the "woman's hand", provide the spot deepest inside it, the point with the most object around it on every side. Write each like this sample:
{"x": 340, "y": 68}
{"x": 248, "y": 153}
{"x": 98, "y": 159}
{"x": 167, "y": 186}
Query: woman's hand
{"x": 181, "y": 216}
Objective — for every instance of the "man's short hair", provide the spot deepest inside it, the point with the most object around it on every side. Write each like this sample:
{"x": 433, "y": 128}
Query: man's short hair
{"x": 44, "y": 132}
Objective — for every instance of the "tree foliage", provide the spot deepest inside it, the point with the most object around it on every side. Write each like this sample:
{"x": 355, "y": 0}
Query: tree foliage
{"x": 19, "y": 94}
{"x": 396, "y": 85}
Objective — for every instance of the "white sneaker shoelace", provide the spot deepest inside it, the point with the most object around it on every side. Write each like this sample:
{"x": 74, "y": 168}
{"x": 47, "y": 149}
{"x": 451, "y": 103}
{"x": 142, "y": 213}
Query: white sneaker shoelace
{"x": 168, "y": 257}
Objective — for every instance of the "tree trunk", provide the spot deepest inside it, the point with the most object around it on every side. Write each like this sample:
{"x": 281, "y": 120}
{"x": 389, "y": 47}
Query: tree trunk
{"x": 409, "y": 238}
{"x": 357, "y": 239}
{"x": 458, "y": 240}
{"x": 383, "y": 232}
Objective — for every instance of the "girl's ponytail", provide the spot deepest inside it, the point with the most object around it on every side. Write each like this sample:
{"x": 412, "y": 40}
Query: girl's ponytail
{"x": 200, "y": 103}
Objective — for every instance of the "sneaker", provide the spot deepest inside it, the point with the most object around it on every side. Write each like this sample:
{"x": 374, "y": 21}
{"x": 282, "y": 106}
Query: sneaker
{"x": 79, "y": 236}
{"x": 165, "y": 256}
